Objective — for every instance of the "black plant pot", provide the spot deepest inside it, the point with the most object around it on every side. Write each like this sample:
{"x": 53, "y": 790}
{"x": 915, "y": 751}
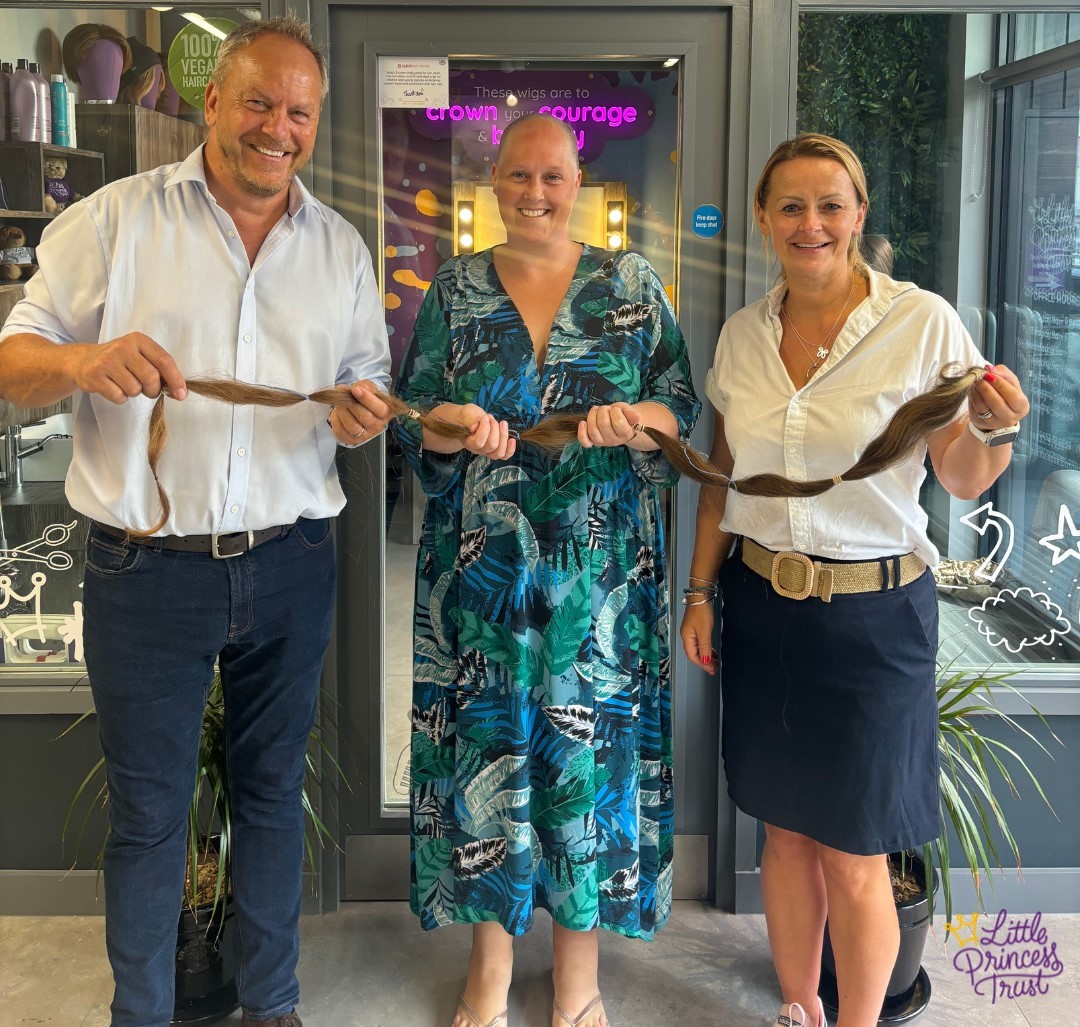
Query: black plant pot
{"x": 908, "y": 991}
{"x": 207, "y": 958}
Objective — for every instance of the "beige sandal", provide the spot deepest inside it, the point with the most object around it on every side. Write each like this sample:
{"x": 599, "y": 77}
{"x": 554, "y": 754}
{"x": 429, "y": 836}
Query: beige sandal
{"x": 575, "y": 1020}
{"x": 493, "y": 1022}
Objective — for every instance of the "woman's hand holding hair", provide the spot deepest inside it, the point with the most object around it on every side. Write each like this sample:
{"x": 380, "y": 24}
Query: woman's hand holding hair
{"x": 615, "y": 425}
{"x": 1000, "y": 395}
{"x": 488, "y": 436}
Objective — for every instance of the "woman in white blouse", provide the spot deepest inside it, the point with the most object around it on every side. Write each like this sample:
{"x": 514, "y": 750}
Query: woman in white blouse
{"x": 829, "y": 631}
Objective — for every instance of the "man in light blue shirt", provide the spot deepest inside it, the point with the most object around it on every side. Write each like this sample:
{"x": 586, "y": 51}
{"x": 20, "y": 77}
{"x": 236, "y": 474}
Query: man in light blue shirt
{"x": 222, "y": 263}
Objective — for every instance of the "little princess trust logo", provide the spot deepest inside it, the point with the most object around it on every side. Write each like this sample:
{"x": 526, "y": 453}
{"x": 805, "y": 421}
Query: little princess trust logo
{"x": 1011, "y": 958}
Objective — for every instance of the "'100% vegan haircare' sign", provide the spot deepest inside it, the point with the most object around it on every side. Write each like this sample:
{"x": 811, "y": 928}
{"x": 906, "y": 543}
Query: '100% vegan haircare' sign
{"x": 193, "y": 54}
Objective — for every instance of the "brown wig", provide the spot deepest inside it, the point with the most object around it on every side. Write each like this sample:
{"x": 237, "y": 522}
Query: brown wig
{"x": 78, "y": 41}
{"x": 912, "y": 423}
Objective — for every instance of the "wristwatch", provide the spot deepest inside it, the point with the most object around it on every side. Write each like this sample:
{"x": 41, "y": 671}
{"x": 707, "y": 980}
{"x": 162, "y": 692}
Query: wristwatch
{"x": 995, "y": 436}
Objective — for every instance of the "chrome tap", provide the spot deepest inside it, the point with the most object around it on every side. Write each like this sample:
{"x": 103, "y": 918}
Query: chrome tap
{"x": 14, "y": 453}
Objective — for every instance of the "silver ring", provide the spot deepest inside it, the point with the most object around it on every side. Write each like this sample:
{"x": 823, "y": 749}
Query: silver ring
{"x": 359, "y": 434}
{"x": 985, "y": 415}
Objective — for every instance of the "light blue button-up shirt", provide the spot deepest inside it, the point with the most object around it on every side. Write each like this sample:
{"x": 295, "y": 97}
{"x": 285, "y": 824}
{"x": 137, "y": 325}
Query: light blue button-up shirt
{"x": 157, "y": 254}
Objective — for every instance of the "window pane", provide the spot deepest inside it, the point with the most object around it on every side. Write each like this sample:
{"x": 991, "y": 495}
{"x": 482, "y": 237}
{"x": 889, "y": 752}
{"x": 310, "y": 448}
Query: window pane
{"x": 978, "y": 192}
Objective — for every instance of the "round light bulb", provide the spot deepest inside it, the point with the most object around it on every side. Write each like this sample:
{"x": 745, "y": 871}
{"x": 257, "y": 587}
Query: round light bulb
{"x": 511, "y": 100}
{"x": 614, "y": 241}
{"x": 465, "y": 239}
{"x": 465, "y": 214}
{"x": 614, "y": 215}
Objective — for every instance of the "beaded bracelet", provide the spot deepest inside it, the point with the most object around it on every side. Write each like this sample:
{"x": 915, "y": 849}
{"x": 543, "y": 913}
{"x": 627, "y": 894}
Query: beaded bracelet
{"x": 698, "y": 595}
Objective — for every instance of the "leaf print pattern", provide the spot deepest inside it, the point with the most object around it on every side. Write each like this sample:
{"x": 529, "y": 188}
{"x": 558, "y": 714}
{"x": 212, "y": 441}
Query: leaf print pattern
{"x": 432, "y": 722}
{"x": 472, "y": 545}
{"x": 471, "y": 670}
{"x": 575, "y": 722}
{"x": 541, "y": 753}
{"x": 477, "y": 858}
{"x": 621, "y": 885}
{"x": 627, "y": 317}
{"x": 643, "y": 565}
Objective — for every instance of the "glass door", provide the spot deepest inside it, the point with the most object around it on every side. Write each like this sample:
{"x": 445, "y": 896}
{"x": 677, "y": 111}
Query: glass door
{"x": 438, "y": 202}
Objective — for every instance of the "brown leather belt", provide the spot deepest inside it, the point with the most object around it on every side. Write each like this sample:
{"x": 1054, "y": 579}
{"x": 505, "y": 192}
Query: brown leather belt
{"x": 220, "y": 547}
{"x": 798, "y": 576}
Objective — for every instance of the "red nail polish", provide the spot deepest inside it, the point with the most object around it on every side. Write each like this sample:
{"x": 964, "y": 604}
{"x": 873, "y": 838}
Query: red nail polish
{"x": 989, "y": 377}
{"x": 989, "y": 367}
{"x": 706, "y": 658}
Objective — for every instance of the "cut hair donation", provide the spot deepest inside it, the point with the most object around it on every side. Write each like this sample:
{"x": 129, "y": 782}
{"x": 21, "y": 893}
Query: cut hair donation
{"x": 908, "y": 427}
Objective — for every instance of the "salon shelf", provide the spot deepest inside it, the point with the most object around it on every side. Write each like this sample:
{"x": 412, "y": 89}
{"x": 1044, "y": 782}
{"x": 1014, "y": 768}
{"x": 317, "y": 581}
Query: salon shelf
{"x": 22, "y": 169}
{"x": 33, "y": 493}
{"x": 135, "y": 139}
{"x": 15, "y": 215}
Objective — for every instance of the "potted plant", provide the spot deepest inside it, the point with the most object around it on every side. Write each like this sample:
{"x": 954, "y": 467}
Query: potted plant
{"x": 970, "y": 806}
{"x": 208, "y": 944}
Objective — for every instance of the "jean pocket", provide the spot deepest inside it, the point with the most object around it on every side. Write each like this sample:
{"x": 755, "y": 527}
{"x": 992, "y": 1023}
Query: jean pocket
{"x": 313, "y": 534}
{"x": 112, "y": 556}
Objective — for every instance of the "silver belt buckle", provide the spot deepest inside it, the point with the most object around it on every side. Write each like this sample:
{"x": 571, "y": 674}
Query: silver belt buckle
{"x": 218, "y": 555}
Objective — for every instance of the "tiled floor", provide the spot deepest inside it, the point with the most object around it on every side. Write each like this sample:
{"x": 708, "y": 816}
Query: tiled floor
{"x": 369, "y": 965}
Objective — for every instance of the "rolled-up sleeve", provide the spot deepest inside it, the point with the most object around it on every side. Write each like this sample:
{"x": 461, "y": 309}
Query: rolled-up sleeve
{"x": 423, "y": 381}
{"x": 666, "y": 376}
{"x": 64, "y": 301}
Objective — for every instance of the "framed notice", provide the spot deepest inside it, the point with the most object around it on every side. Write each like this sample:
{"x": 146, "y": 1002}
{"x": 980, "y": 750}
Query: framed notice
{"x": 414, "y": 82}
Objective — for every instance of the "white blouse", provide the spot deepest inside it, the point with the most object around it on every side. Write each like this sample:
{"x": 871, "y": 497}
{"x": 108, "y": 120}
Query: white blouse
{"x": 891, "y": 348}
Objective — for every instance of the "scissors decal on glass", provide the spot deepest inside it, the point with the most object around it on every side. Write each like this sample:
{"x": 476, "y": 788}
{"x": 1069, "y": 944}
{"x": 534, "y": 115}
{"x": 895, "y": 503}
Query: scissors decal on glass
{"x": 54, "y": 535}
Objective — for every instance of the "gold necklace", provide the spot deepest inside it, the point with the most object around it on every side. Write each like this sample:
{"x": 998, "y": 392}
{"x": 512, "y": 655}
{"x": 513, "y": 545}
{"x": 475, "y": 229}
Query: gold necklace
{"x": 822, "y": 351}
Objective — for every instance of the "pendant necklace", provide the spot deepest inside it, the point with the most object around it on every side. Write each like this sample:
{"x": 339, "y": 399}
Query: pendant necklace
{"x": 822, "y": 350}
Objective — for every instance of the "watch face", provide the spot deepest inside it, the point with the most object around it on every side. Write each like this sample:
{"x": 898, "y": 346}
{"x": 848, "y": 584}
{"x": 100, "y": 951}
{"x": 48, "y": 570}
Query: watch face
{"x": 1007, "y": 435}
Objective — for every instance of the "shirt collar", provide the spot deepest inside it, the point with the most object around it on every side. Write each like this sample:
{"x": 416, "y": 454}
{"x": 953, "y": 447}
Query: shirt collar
{"x": 883, "y": 290}
{"x": 192, "y": 169}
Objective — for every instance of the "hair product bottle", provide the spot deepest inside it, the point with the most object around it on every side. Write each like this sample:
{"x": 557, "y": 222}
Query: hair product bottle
{"x": 45, "y": 103}
{"x": 24, "y": 104}
{"x": 59, "y": 106}
{"x": 73, "y": 139}
{"x": 5, "y": 100}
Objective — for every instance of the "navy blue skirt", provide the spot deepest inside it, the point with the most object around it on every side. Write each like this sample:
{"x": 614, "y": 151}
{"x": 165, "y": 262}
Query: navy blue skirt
{"x": 830, "y": 714}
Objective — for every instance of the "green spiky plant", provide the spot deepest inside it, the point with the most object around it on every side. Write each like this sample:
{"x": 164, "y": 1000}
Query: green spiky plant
{"x": 209, "y": 815}
{"x": 973, "y": 767}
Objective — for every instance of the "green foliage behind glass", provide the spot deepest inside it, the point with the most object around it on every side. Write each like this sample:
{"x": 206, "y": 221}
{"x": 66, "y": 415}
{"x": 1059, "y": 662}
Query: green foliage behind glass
{"x": 879, "y": 82}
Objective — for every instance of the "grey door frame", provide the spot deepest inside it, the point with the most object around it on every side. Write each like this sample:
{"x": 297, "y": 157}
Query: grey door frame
{"x": 722, "y": 155}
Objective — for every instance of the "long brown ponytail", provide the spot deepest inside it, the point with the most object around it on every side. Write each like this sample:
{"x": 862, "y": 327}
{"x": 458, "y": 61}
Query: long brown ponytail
{"x": 909, "y": 426}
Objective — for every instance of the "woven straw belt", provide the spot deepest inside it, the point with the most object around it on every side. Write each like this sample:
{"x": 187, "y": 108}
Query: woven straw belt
{"x": 797, "y": 576}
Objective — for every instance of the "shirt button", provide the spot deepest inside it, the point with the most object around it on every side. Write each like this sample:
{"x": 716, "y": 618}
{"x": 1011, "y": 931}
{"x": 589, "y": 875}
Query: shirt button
{"x": 232, "y": 235}
{"x": 241, "y": 451}
{"x": 791, "y": 449}
{"x": 247, "y": 338}
{"x": 234, "y": 509}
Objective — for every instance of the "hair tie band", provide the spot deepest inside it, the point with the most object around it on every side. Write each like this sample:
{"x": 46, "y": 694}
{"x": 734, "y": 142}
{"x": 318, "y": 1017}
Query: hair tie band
{"x": 837, "y": 478}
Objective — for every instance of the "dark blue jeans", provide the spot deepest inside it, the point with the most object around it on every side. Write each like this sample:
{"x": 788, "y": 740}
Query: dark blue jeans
{"x": 155, "y": 623}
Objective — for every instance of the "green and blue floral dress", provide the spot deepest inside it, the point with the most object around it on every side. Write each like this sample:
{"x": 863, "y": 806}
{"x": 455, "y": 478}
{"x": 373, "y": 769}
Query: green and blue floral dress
{"x": 541, "y": 752}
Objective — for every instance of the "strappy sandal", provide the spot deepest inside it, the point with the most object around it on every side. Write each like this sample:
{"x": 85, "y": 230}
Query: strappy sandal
{"x": 575, "y": 1020}
{"x": 493, "y": 1022}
